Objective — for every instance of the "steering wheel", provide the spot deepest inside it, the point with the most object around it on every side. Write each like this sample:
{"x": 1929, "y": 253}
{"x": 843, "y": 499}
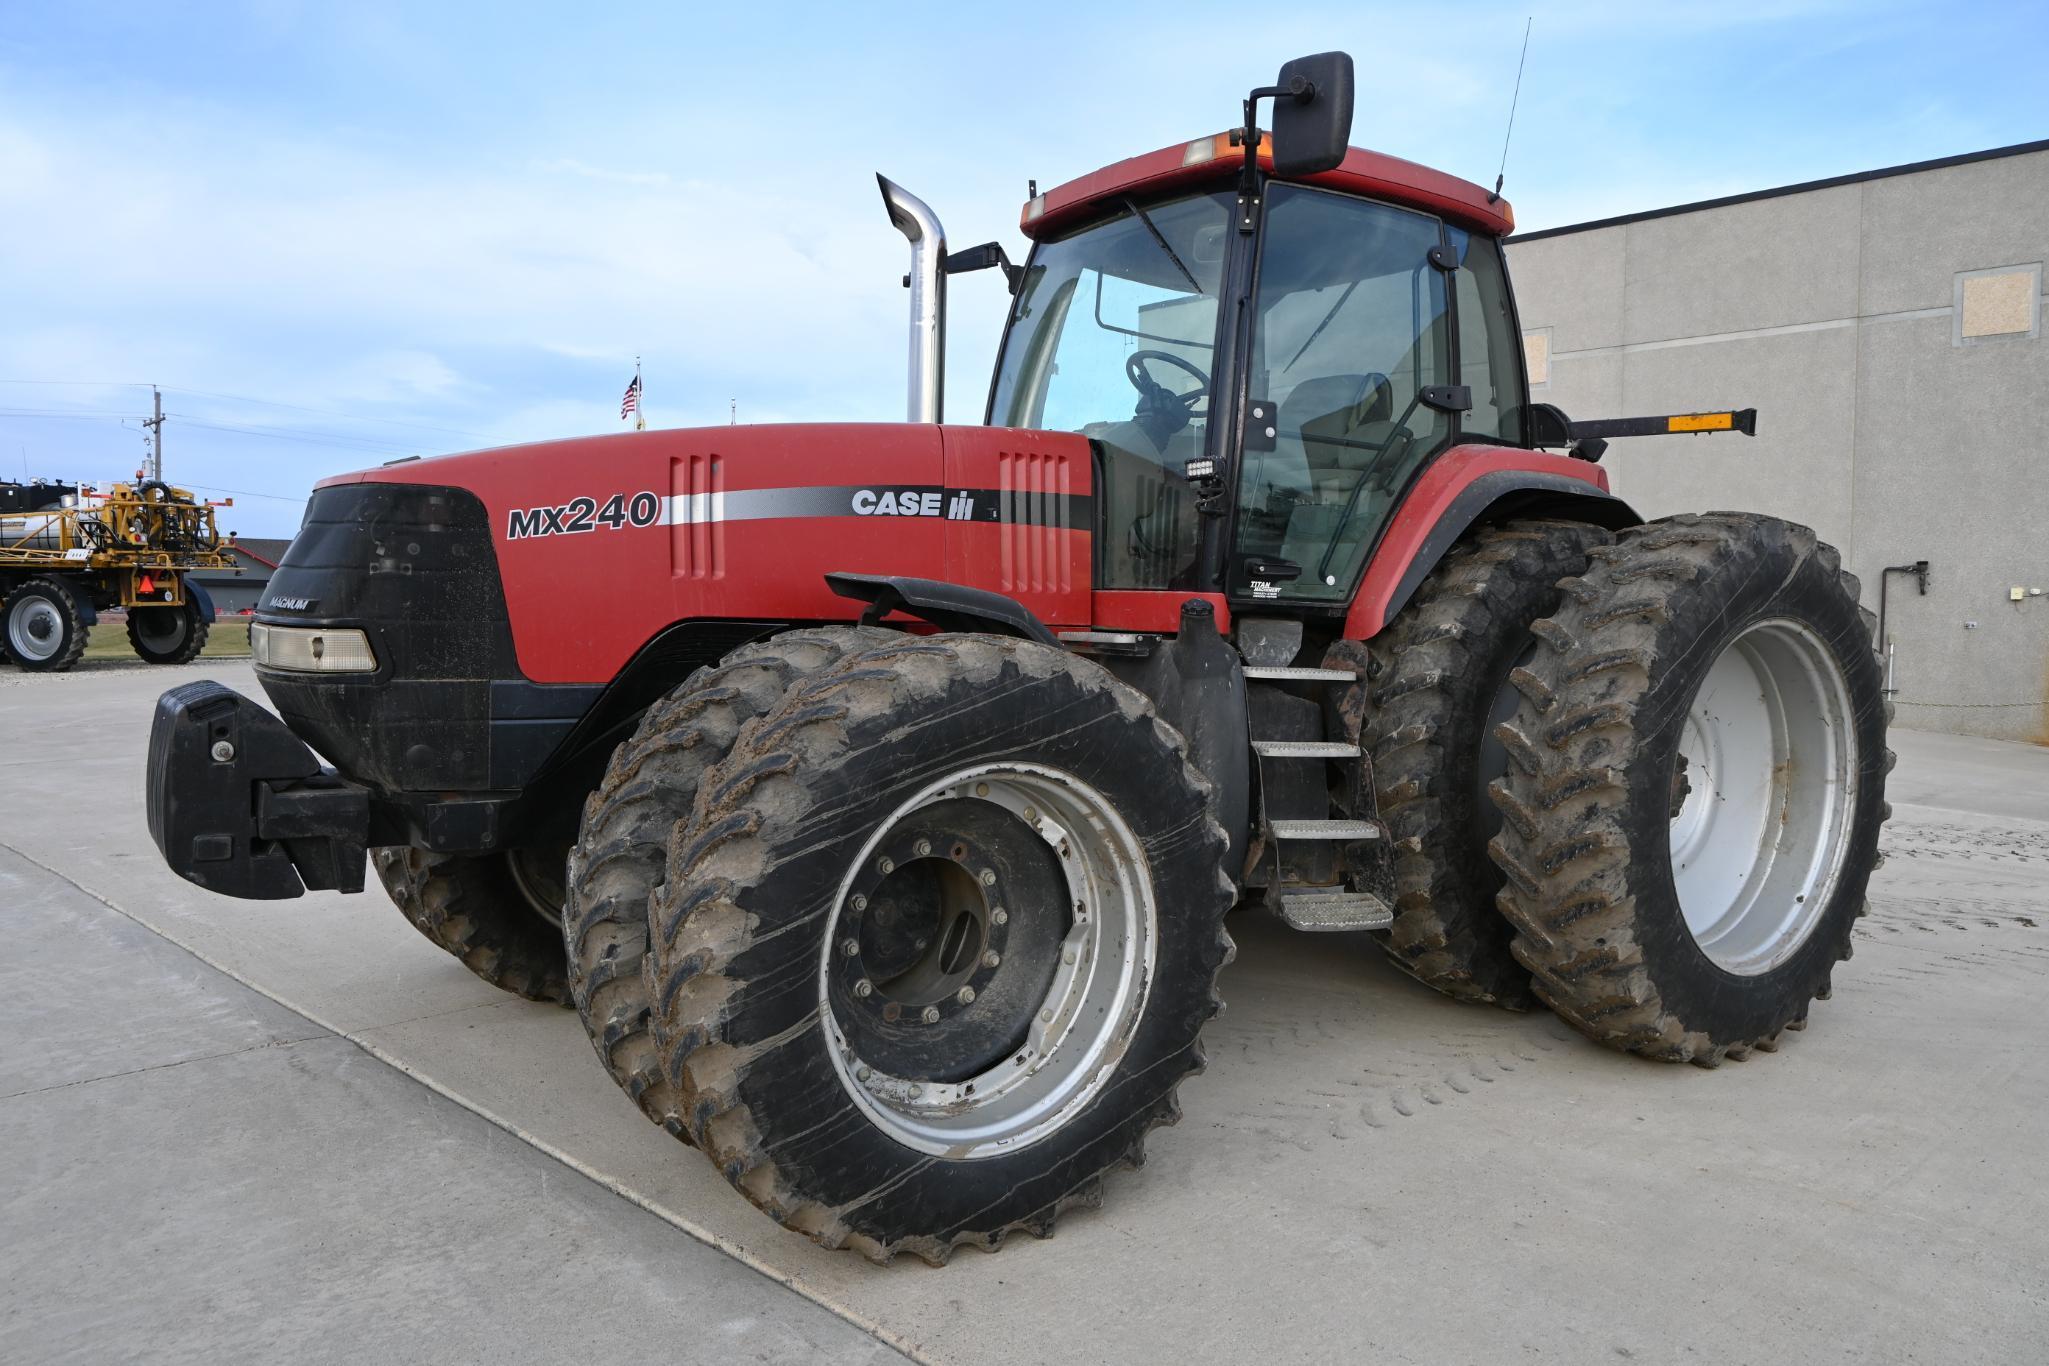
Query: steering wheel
{"x": 1150, "y": 388}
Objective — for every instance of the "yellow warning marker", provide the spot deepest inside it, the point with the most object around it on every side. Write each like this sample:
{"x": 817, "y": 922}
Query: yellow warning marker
{"x": 1701, "y": 422}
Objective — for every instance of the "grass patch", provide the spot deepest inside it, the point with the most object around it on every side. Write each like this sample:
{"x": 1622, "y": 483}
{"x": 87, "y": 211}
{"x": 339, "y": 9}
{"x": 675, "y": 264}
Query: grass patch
{"x": 229, "y": 639}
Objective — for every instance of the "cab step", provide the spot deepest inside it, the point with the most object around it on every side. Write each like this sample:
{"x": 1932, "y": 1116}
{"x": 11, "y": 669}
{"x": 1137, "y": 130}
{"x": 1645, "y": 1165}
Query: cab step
{"x": 1330, "y": 911}
{"x": 1304, "y": 749}
{"x": 1324, "y": 830}
{"x": 1288, "y": 673}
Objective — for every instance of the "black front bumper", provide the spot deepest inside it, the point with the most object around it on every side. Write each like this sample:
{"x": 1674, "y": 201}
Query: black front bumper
{"x": 239, "y": 805}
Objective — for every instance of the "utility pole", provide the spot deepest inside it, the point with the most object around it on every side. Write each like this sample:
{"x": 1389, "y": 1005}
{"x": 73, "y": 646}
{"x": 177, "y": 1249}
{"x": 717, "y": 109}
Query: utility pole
{"x": 156, "y": 435}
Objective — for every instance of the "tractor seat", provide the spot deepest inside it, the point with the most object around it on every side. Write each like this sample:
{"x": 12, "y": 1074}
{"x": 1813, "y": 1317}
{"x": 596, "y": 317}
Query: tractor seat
{"x": 1334, "y": 409}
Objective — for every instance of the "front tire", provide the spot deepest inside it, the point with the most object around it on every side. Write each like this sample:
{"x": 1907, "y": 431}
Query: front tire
{"x": 41, "y": 628}
{"x": 168, "y": 635}
{"x": 621, "y": 852}
{"x": 498, "y": 914}
{"x": 935, "y": 951}
{"x": 1697, "y": 780}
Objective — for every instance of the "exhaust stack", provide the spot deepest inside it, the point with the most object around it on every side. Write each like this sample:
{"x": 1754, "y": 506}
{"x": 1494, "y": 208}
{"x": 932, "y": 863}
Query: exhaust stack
{"x": 927, "y": 281}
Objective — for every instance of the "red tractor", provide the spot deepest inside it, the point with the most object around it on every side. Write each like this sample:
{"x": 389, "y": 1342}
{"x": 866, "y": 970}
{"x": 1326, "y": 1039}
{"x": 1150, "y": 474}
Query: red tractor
{"x": 878, "y": 793}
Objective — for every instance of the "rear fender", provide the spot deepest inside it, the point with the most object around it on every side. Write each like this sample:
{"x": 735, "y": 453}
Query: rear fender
{"x": 1470, "y": 486}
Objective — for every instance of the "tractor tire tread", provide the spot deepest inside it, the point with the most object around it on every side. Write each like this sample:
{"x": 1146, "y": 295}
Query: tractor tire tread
{"x": 470, "y": 907}
{"x": 1565, "y": 847}
{"x": 1424, "y": 730}
{"x": 765, "y": 786}
{"x": 621, "y": 852}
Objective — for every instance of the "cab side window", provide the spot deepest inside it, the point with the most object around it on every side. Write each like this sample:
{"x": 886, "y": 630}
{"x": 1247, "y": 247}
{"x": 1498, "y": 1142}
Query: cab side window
{"x": 1490, "y": 351}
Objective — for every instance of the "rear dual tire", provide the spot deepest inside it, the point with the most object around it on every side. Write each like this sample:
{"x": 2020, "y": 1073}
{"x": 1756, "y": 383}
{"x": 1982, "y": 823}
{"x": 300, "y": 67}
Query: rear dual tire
{"x": 1695, "y": 789}
{"x": 1439, "y": 683}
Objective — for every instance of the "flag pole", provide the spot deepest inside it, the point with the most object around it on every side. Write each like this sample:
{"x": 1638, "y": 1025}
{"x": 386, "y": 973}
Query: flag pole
{"x": 640, "y": 394}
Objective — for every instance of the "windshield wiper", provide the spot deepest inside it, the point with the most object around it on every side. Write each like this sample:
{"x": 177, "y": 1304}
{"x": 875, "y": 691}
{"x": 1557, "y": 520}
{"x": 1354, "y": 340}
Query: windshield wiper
{"x": 1141, "y": 216}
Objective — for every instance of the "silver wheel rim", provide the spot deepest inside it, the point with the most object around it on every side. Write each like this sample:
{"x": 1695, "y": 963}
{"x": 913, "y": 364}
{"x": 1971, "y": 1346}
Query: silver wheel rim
{"x": 1770, "y": 770}
{"x": 35, "y": 630}
{"x": 1082, "y": 1027}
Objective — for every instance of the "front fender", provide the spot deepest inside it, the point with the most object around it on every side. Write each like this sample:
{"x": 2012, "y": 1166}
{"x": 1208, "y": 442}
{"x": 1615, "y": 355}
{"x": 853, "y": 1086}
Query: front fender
{"x": 1465, "y": 487}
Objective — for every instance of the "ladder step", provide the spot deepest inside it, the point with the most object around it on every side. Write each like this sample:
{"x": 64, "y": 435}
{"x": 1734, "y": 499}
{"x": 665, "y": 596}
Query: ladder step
{"x": 1291, "y": 674}
{"x": 1334, "y": 911}
{"x": 1324, "y": 830}
{"x": 1304, "y": 749}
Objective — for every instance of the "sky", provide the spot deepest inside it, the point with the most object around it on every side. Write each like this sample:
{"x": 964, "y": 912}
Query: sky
{"x": 337, "y": 234}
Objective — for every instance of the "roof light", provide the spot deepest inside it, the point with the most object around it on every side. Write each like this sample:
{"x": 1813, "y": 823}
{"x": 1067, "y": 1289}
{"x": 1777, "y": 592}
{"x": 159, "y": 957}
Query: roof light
{"x": 1035, "y": 209}
{"x": 1199, "y": 151}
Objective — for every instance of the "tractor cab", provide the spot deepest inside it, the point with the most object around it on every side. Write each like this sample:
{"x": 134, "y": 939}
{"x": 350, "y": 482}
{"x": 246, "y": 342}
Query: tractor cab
{"x": 1266, "y": 338}
{"x": 1352, "y": 373}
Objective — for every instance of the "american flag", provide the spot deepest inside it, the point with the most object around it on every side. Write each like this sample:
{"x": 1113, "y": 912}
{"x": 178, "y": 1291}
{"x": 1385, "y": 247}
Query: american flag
{"x": 630, "y": 404}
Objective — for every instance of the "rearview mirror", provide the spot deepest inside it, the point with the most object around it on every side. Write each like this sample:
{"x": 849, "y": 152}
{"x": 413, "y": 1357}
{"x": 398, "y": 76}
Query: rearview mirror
{"x": 1313, "y": 114}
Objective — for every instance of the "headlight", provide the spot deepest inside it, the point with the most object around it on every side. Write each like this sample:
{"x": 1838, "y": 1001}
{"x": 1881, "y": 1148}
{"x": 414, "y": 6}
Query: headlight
{"x": 311, "y": 649}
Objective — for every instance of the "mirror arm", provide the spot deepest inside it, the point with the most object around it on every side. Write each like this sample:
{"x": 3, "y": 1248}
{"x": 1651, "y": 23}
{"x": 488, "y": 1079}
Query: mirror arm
{"x": 1298, "y": 89}
{"x": 982, "y": 258}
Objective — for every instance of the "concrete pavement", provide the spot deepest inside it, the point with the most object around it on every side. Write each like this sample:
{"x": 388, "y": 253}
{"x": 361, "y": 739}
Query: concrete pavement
{"x": 1366, "y": 1170}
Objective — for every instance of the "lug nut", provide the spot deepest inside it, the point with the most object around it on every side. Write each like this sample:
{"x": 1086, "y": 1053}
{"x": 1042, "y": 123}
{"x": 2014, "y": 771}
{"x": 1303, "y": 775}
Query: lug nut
{"x": 885, "y": 865}
{"x": 1045, "y": 1017}
{"x": 864, "y": 988}
{"x": 991, "y": 959}
{"x": 988, "y": 877}
{"x": 999, "y": 916}
{"x": 850, "y": 947}
{"x": 223, "y": 752}
{"x": 981, "y": 789}
{"x": 931, "y": 1015}
{"x": 1067, "y": 955}
{"x": 863, "y": 1074}
{"x": 1031, "y": 815}
{"x": 859, "y": 903}
{"x": 924, "y": 847}
{"x": 966, "y": 996}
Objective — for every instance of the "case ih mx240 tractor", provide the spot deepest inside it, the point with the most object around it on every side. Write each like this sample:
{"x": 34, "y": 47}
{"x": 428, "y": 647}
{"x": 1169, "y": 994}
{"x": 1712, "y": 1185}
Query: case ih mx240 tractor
{"x": 878, "y": 793}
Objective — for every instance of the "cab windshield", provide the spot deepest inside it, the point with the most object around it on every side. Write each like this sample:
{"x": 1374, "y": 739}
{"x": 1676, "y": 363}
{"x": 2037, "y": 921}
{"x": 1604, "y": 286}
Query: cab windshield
{"x": 1114, "y": 336}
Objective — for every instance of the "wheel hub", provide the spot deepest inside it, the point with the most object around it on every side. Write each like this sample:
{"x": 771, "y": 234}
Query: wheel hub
{"x": 940, "y": 980}
{"x": 36, "y": 630}
{"x": 987, "y": 955}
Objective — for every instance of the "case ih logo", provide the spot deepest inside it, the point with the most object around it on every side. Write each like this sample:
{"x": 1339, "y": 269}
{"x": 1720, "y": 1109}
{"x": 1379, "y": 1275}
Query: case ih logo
{"x": 959, "y": 507}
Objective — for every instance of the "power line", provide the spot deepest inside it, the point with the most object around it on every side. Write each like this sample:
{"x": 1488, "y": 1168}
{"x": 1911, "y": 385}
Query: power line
{"x": 359, "y": 443}
{"x": 328, "y": 412}
{"x": 246, "y": 493}
{"x": 84, "y": 383}
{"x": 250, "y": 398}
{"x": 63, "y": 412}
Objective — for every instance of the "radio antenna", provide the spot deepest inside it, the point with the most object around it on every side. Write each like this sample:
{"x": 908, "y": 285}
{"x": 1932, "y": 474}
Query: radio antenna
{"x": 1502, "y": 174}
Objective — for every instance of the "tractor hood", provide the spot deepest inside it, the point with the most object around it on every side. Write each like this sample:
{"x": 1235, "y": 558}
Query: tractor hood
{"x": 602, "y": 543}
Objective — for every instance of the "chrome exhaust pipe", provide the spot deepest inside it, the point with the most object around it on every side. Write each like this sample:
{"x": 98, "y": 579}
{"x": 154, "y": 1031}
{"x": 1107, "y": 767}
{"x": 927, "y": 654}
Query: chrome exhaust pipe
{"x": 927, "y": 391}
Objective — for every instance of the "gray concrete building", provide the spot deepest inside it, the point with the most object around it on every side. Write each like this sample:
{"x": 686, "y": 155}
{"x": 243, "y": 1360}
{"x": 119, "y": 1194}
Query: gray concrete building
{"x": 1888, "y": 329}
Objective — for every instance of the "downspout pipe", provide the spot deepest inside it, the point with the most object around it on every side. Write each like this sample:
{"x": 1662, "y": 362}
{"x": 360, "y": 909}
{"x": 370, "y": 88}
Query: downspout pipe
{"x": 927, "y": 281}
